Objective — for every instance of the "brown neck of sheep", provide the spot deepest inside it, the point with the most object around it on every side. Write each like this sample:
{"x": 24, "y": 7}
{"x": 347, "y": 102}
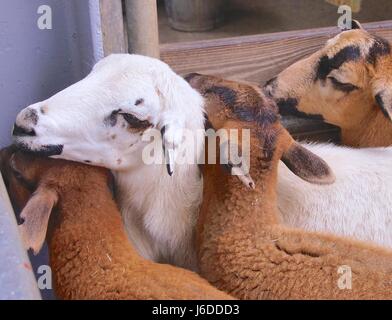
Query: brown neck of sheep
{"x": 87, "y": 218}
{"x": 228, "y": 202}
{"x": 374, "y": 131}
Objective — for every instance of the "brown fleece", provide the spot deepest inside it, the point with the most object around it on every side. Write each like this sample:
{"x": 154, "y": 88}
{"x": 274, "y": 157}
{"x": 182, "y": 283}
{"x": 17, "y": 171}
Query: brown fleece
{"x": 90, "y": 254}
{"x": 243, "y": 249}
{"x": 348, "y": 83}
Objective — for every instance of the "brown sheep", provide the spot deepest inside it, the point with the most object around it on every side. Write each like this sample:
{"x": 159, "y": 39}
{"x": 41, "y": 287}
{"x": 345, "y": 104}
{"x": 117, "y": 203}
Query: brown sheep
{"x": 347, "y": 83}
{"x": 90, "y": 255}
{"x": 243, "y": 249}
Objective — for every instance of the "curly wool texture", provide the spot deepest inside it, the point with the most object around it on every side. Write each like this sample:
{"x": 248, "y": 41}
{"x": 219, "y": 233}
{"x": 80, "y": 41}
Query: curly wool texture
{"x": 244, "y": 250}
{"x": 92, "y": 258}
{"x": 90, "y": 254}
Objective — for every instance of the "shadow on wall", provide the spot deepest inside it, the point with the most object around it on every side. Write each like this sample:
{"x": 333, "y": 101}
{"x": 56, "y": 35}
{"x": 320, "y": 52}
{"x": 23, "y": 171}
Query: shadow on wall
{"x": 36, "y": 63}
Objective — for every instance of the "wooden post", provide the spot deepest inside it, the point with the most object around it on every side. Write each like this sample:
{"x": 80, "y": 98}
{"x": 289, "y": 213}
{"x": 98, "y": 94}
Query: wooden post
{"x": 113, "y": 36}
{"x": 142, "y": 22}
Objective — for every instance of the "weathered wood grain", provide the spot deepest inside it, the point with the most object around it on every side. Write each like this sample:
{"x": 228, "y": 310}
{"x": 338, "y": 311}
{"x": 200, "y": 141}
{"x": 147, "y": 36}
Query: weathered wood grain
{"x": 260, "y": 57}
{"x": 142, "y": 27}
{"x": 254, "y": 58}
{"x": 112, "y": 26}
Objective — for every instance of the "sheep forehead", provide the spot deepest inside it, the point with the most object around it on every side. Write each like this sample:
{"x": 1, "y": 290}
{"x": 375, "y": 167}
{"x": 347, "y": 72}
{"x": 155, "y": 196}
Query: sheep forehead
{"x": 369, "y": 46}
{"x": 130, "y": 65}
{"x": 112, "y": 83}
{"x": 349, "y": 37}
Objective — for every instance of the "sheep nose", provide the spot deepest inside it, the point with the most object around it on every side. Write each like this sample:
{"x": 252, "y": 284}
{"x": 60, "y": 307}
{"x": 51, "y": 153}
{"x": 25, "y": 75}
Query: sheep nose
{"x": 25, "y": 122}
{"x": 20, "y": 131}
{"x": 28, "y": 116}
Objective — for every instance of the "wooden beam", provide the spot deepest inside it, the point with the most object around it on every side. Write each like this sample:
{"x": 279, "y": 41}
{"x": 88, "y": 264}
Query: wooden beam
{"x": 142, "y": 27}
{"x": 254, "y": 58}
{"x": 112, "y": 27}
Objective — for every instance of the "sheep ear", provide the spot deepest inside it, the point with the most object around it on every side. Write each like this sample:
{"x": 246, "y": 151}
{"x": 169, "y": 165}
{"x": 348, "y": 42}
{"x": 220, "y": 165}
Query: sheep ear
{"x": 171, "y": 139}
{"x": 383, "y": 99}
{"x": 36, "y": 215}
{"x": 5, "y": 155}
{"x": 356, "y": 25}
{"x": 180, "y": 103}
{"x": 307, "y": 165}
{"x": 237, "y": 166}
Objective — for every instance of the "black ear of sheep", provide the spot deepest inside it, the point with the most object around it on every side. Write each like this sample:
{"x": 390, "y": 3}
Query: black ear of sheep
{"x": 356, "y": 25}
{"x": 307, "y": 165}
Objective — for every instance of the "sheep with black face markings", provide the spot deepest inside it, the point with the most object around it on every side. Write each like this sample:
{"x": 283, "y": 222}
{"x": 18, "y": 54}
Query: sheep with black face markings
{"x": 243, "y": 248}
{"x": 347, "y": 83}
{"x": 90, "y": 255}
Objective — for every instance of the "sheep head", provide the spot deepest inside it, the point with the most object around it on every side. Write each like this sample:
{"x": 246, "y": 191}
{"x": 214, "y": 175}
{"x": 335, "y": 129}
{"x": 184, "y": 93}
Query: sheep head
{"x": 35, "y": 184}
{"x": 238, "y": 105}
{"x": 101, "y": 120}
{"x": 343, "y": 83}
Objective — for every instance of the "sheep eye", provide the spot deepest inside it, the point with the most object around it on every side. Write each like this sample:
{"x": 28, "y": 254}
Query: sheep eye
{"x": 345, "y": 87}
{"x": 18, "y": 175}
{"x": 22, "y": 180}
{"x": 139, "y": 101}
{"x": 135, "y": 122}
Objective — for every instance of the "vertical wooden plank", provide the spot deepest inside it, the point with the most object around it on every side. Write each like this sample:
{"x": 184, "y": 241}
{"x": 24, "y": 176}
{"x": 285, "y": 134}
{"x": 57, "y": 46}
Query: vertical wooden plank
{"x": 142, "y": 27}
{"x": 112, "y": 27}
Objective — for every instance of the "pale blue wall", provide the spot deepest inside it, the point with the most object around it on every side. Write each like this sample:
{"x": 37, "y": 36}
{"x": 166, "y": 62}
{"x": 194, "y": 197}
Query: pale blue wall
{"x": 34, "y": 63}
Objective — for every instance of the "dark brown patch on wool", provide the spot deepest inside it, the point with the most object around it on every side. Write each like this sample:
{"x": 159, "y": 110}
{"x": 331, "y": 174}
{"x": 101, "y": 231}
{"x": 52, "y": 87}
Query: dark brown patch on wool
{"x": 263, "y": 112}
{"x": 288, "y": 107}
{"x": 326, "y": 64}
{"x": 227, "y": 95}
{"x": 297, "y": 158}
{"x": 380, "y": 47}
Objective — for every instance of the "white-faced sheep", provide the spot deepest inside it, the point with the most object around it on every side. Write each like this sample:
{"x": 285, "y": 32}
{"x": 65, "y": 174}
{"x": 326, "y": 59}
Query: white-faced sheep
{"x": 347, "y": 83}
{"x": 107, "y": 119}
{"x": 90, "y": 254}
{"x": 243, "y": 249}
